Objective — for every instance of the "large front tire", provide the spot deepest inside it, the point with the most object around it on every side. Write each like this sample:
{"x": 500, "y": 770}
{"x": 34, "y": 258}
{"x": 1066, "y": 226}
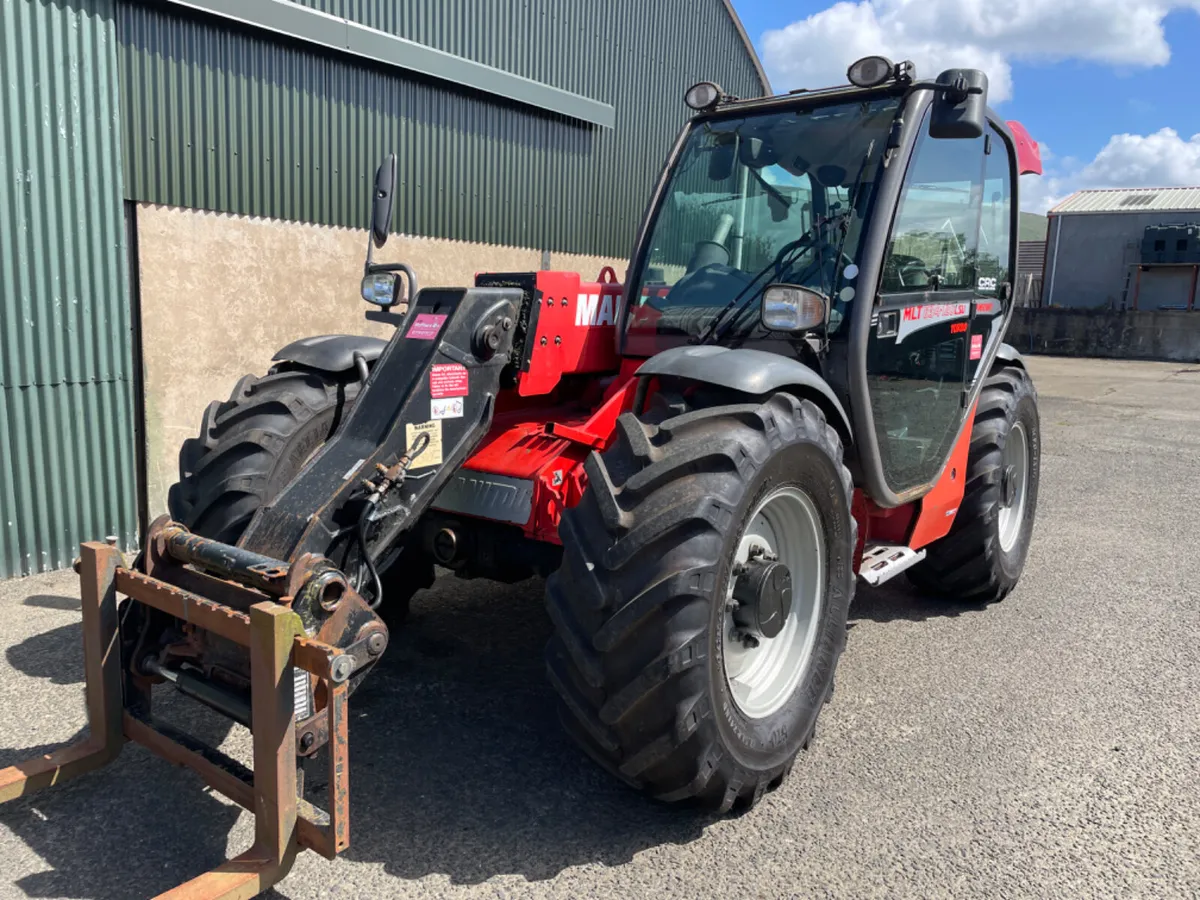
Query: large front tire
{"x": 640, "y": 655}
{"x": 983, "y": 556}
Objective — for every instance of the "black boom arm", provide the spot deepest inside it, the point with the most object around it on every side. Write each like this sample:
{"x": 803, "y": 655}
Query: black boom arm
{"x": 427, "y": 405}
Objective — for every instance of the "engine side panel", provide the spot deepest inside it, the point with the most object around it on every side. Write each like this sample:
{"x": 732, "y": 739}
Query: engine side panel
{"x": 533, "y": 459}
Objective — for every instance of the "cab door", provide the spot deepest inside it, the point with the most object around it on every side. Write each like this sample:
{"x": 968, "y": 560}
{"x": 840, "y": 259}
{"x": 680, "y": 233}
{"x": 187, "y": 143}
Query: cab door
{"x": 994, "y": 279}
{"x": 921, "y": 343}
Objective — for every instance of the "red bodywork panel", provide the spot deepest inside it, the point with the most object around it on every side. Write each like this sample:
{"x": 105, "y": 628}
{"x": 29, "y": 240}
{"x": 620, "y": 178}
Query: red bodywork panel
{"x": 544, "y": 430}
{"x": 573, "y": 329}
{"x": 548, "y": 444}
{"x": 1029, "y": 155}
{"x": 923, "y": 521}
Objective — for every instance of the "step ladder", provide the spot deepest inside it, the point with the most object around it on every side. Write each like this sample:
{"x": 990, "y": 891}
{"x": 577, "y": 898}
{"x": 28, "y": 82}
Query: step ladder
{"x": 882, "y": 562}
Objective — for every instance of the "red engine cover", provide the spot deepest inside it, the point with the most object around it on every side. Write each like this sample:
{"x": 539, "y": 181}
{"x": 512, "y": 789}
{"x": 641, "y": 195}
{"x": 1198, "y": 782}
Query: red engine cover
{"x": 573, "y": 329}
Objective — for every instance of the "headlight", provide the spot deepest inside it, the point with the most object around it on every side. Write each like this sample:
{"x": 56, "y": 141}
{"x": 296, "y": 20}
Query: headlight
{"x": 380, "y": 288}
{"x": 789, "y": 307}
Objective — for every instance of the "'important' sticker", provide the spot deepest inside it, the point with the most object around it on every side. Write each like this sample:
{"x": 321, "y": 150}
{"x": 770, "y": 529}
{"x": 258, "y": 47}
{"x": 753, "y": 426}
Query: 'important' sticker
{"x": 425, "y": 327}
{"x": 448, "y": 380}
{"x": 432, "y": 454}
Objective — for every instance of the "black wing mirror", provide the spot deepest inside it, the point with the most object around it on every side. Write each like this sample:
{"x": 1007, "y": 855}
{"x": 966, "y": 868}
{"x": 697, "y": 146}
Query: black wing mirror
{"x": 959, "y": 105}
{"x": 384, "y": 200}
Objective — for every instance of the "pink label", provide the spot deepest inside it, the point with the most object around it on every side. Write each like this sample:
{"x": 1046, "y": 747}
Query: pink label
{"x": 448, "y": 380}
{"x": 425, "y": 327}
{"x": 976, "y": 346}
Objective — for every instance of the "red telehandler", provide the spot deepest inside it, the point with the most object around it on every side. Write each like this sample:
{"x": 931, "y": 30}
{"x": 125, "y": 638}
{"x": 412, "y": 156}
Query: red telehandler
{"x": 801, "y": 382}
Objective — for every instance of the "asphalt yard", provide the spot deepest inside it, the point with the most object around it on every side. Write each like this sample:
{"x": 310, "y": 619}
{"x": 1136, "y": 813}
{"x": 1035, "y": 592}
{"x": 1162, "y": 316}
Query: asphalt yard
{"x": 1048, "y": 745}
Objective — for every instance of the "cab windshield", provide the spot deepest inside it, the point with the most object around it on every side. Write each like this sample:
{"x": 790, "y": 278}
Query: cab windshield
{"x": 755, "y": 200}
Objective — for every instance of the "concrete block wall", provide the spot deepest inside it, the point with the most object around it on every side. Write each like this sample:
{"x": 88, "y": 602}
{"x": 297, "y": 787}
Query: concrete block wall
{"x": 1172, "y": 336}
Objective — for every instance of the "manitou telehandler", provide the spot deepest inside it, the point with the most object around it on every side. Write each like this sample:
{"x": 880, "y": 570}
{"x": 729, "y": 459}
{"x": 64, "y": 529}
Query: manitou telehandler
{"x": 801, "y": 382}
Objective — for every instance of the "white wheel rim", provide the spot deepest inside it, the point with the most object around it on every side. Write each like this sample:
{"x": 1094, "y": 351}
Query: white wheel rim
{"x": 1012, "y": 514}
{"x": 761, "y": 678}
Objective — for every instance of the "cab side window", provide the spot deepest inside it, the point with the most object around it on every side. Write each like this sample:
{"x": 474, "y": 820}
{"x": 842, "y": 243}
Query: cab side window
{"x": 935, "y": 238}
{"x": 995, "y": 224}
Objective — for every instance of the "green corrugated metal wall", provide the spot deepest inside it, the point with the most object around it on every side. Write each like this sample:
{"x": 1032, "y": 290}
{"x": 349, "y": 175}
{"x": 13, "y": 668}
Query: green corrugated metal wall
{"x": 223, "y": 117}
{"x": 66, "y": 421}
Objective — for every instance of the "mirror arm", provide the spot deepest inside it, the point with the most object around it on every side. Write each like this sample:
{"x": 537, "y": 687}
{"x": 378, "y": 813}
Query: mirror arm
{"x": 367, "y": 266}
{"x": 952, "y": 92}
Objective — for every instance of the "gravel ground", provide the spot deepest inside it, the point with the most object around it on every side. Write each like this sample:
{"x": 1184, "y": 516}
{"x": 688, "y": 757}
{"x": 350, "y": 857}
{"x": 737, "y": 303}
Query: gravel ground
{"x": 1045, "y": 746}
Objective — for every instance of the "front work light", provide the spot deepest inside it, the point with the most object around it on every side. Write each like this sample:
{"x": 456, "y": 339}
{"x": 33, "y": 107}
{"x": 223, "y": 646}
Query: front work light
{"x": 789, "y": 307}
{"x": 702, "y": 96}
{"x": 871, "y": 71}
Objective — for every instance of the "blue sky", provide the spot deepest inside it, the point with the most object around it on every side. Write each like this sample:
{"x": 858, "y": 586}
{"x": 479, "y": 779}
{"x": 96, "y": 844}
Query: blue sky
{"x": 1109, "y": 88}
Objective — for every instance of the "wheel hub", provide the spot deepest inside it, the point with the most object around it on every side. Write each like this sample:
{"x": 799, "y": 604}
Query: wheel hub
{"x": 1008, "y": 485}
{"x": 763, "y": 594}
{"x": 774, "y": 601}
{"x": 1014, "y": 483}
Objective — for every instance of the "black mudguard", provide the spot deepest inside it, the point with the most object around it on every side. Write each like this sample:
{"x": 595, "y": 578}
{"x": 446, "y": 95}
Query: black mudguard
{"x": 331, "y": 352}
{"x": 753, "y": 372}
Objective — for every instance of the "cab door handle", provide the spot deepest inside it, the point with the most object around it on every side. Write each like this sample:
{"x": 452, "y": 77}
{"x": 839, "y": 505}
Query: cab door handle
{"x": 887, "y": 323}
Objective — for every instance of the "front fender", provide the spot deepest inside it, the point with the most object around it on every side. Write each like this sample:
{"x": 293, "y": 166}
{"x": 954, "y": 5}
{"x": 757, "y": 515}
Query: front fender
{"x": 1009, "y": 354}
{"x": 331, "y": 352}
{"x": 754, "y": 372}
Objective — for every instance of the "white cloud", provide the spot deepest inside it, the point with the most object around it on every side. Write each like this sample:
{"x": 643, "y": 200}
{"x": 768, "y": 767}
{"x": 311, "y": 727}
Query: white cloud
{"x": 1162, "y": 159}
{"x": 941, "y": 34}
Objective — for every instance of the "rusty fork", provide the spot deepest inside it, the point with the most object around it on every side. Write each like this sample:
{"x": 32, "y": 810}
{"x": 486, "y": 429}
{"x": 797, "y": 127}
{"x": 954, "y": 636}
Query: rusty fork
{"x": 276, "y": 640}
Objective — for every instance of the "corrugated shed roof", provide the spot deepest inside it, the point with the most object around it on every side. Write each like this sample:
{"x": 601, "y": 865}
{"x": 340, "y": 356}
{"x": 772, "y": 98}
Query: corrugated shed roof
{"x": 1181, "y": 199}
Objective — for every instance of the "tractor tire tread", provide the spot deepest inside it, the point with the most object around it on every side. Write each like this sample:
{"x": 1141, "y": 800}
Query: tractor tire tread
{"x": 626, "y": 659}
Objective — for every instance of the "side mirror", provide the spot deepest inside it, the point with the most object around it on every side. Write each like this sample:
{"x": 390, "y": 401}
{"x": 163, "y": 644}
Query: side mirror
{"x": 382, "y": 285}
{"x": 959, "y": 105}
{"x": 789, "y": 307}
{"x": 381, "y": 210}
{"x": 379, "y": 288}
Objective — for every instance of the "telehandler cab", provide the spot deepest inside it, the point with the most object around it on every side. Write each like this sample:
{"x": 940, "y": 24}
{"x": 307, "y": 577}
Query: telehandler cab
{"x": 801, "y": 382}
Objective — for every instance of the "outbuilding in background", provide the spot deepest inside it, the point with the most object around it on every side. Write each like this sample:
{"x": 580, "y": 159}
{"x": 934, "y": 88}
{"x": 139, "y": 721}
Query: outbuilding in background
{"x": 1124, "y": 249}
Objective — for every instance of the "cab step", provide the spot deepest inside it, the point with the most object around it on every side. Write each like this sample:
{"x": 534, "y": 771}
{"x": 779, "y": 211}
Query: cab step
{"x": 882, "y": 562}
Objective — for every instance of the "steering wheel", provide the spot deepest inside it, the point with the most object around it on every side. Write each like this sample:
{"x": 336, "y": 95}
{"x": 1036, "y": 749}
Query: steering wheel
{"x": 803, "y": 242}
{"x": 813, "y": 266}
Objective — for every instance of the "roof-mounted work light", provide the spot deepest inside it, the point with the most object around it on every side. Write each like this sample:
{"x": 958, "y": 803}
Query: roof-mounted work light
{"x": 703, "y": 96}
{"x": 872, "y": 71}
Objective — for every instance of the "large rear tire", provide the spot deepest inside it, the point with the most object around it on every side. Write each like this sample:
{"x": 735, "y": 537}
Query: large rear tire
{"x": 983, "y": 556}
{"x": 654, "y": 683}
{"x": 252, "y": 445}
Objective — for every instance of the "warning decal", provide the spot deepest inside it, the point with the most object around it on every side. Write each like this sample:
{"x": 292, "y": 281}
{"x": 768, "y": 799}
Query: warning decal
{"x": 448, "y": 380}
{"x": 432, "y": 454}
{"x": 425, "y": 327}
{"x": 976, "y": 346}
